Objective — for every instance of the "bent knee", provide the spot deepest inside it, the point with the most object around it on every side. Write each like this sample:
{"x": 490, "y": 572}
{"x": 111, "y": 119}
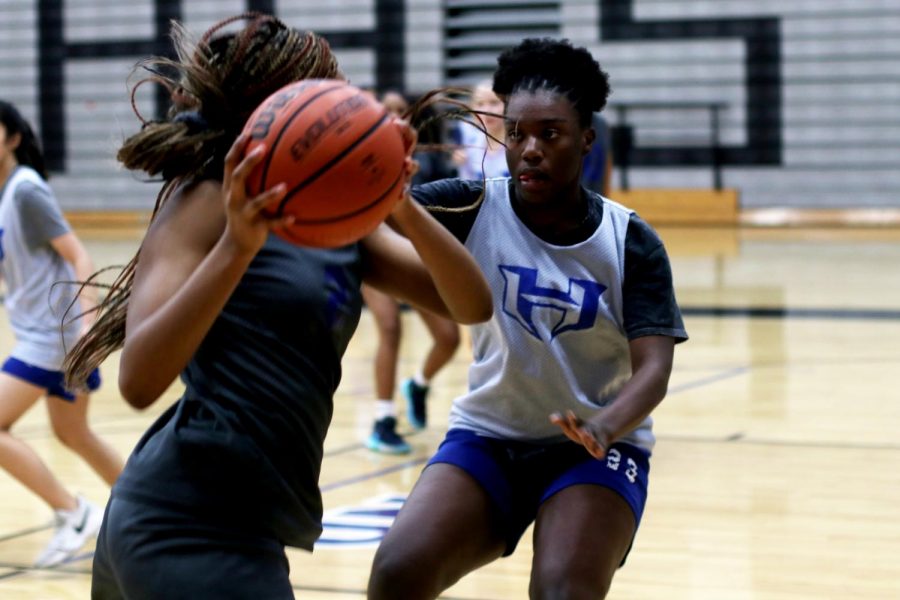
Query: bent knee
{"x": 561, "y": 584}
{"x": 400, "y": 576}
{"x": 71, "y": 435}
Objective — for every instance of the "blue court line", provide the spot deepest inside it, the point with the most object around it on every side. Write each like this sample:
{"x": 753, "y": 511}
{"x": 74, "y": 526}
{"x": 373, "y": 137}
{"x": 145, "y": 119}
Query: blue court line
{"x": 398, "y": 467}
{"x": 871, "y": 314}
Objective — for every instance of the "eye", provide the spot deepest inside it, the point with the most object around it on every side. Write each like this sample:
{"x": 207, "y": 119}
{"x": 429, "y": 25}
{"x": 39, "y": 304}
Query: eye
{"x": 513, "y": 135}
{"x": 551, "y": 134}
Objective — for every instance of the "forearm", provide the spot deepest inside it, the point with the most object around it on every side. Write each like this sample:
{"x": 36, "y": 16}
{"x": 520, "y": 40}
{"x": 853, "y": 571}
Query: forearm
{"x": 158, "y": 347}
{"x": 635, "y": 401}
{"x": 454, "y": 272}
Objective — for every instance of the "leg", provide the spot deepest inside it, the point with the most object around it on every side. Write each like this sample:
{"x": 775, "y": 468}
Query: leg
{"x": 581, "y": 536}
{"x": 445, "y": 341}
{"x": 443, "y": 531}
{"x": 17, "y": 396}
{"x": 69, "y": 421}
{"x": 445, "y": 334}
{"x": 386, "y": 313}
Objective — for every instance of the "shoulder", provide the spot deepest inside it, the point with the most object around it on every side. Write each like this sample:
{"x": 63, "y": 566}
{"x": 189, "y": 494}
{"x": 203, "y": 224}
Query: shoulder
{"x": 193, "y": 215}
{"x": 28, "y": 190}
{"x": 34, "y": 199}
{"x": 641, "y": 238}
{"x": 453, "y": 202}
{"x": 28, "y": 184}
{"x": 450, "y": 193}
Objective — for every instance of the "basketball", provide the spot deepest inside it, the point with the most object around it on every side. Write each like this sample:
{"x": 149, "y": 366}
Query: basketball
{"x": 340, "y": 154}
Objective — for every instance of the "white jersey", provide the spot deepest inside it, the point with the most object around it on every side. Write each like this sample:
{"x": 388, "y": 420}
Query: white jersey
{"x": 29, "y": 219}
{"x": 556, "y": 341}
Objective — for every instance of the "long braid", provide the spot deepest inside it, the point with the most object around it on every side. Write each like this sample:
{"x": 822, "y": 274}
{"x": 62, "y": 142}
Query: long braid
{"x": 216, "y": 83}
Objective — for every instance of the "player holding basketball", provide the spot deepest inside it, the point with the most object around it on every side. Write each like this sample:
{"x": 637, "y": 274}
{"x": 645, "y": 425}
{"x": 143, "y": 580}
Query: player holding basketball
{"x": 555, "y": 428}
{"x": 38, "y": 249}
{"x": 255, "y": 326}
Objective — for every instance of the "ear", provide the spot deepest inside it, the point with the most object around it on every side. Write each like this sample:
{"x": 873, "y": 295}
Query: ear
{"x": 589, "y": 136}
{"x": 13, "y": 141}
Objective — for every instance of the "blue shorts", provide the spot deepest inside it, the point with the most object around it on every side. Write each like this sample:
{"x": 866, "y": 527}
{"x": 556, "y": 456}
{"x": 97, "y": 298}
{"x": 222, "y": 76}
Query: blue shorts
{"x": 52, "y": 381}
{"x": 519, "y": 476}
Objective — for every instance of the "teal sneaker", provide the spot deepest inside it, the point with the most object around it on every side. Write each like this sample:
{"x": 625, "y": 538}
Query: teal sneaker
{"x": 385, "y": 439}
{"x": 416, "y": 409}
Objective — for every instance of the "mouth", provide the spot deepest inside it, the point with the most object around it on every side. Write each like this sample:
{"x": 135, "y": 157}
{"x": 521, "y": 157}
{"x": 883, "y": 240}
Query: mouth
{"x": 532, "y": 178}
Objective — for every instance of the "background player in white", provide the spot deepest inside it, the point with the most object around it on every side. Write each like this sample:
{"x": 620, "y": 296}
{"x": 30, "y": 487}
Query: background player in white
{"x": 38, "y": 249}
{"x": 555, "y": 427}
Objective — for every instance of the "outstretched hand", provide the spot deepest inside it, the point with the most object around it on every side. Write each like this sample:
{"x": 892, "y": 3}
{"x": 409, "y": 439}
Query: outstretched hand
{"x": 591, "y": 434}
{"x": 247, "y": 224}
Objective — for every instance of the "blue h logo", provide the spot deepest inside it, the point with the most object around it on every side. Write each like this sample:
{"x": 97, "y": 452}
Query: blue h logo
{"x": 577, "y": 307}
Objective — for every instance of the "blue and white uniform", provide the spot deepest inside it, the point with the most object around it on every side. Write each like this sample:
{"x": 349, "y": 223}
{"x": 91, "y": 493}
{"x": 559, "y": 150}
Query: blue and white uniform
{"x": 565, "y": 310}
{"x": 40, "y": 285}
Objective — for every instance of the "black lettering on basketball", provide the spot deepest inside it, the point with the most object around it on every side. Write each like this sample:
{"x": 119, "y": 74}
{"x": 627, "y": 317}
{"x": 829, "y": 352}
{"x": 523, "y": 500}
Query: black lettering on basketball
{"x": 336, "y": 114}
{"x": 263, "y": 122}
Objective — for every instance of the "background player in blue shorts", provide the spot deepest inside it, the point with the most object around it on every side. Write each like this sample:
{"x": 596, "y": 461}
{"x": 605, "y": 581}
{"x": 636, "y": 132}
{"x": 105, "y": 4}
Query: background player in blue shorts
{"x": 555, "y": 428}
{"x": 38, "y": 249}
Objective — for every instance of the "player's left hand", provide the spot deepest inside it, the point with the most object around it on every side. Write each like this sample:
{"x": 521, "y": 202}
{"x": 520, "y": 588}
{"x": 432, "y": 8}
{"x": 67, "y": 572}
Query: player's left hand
{"x": 591, "y": 433}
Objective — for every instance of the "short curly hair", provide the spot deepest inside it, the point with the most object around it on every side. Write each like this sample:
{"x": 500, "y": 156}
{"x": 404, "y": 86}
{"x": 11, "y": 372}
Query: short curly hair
{"x": 555, "y": 65}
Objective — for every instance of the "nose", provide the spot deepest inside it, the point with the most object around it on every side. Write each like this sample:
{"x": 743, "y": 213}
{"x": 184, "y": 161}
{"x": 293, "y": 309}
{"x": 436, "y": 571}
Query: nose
{"x": 531, "y": 151}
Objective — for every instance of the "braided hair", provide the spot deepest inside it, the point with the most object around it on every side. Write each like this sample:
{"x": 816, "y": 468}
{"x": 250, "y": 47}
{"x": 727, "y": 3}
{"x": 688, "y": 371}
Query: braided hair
{"x": 215, "y": 84}
{"x": 557, "y": 66}
{"x": 28, "y": 152}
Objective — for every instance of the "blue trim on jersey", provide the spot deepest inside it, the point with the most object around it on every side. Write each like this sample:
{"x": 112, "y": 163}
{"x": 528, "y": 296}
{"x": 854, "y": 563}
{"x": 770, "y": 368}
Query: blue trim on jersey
{"x": 52, "y": 381}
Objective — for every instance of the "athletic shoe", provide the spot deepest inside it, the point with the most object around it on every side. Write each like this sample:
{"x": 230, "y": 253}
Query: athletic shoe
{"x": 73, "y": 529}
{"x": 385, "y": 439}
{"x": 416, "y": 411}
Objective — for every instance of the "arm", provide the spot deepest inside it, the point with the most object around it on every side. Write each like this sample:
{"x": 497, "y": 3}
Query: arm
{"x": 651, "y": 363}
{"x": 193, "y": 257}
{"x": 73, "y": 251}
{"x": 427, "y": 267}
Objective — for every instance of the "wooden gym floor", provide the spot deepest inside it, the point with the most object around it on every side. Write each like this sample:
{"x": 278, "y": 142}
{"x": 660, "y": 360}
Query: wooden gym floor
{"x": 777, "y": 471}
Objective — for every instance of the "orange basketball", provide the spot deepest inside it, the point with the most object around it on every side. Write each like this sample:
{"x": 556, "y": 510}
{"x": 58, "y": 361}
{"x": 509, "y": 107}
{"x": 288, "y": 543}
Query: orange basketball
{"x": 340, "y": 155}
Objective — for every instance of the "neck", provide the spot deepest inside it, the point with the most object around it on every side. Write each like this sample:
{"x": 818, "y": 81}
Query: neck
{"x": 6, "y": 169}
{"x": 555, "y": 218}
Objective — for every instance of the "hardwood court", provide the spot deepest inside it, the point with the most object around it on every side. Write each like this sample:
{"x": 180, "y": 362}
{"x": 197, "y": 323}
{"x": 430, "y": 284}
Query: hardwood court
{"x": 777, "y": 471}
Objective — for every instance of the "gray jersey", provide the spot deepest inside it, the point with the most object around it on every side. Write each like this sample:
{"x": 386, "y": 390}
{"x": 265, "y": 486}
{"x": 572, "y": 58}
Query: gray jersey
{"x": 29, "y": 218}
{"x": 557, "y": 340}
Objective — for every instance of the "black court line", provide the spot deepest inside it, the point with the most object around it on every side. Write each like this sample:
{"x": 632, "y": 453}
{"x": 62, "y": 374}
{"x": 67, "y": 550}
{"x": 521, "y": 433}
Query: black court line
{"x": 15, "y": 572}
{"x": 740, "y": 437}
{"x": 24, "y": 532}
{"x": 359, "y": 445}
{"x": 64, "y": 568}
{"x": 727, "y": 374}
{"x": 772, "y": 312}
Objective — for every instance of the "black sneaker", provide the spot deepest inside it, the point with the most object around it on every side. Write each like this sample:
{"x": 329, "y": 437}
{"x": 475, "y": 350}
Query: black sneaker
{"x": 416, "y": 411}
{"x": 385, "y": 439}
